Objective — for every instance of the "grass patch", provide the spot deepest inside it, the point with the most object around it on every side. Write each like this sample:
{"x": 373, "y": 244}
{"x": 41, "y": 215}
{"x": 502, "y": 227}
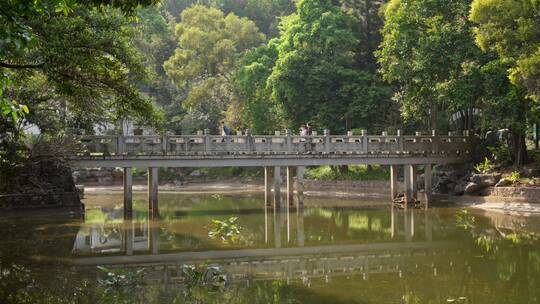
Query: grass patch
{"x": 355, "y": 172}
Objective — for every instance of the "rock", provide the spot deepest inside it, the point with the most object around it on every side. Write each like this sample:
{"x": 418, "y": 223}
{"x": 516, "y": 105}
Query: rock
{"x": 195, "y": 173}
{"x": 503, "y": 183}
{"x": 472, "y": 187}
{"x": 459, "y": 189}
{"x": 486, "y": 180}
{"x": 451, "y": 186}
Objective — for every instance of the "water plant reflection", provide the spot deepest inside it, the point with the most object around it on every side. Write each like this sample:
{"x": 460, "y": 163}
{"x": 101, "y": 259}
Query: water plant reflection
{"x": 491, "y": 237}
{"x": 228, "y": 231}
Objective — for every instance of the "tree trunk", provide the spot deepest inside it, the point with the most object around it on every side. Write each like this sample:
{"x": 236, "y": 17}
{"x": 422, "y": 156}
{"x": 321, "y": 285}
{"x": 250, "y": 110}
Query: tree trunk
{"x": 536, "y": 136}
{"x": 433, "y": 116}
{"x": 519, "y": 148}
{"x": 343, "y": 169}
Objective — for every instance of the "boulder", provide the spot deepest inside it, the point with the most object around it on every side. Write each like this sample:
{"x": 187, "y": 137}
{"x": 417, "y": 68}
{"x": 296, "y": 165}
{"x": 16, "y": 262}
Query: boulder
{"x": 459, "y": 189}
{"x": 472, "y": 187}
{"x": 486, "y": 180}
{"x": 195, "y": 173}
{"x": 503, "y": 183}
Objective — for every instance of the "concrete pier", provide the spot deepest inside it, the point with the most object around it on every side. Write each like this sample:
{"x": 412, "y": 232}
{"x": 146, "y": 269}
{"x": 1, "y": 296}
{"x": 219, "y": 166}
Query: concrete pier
{"x": 268, "y": 186}
{"x": 300, "y": 170}
{"x": 128, "y": 193}
{"x": 152, "y": 188}
{"x": 410, "y": 184}
{"x": 290, "y": 188}
{"x": 427, "y": 184}
{"x": 393, "y": 181}
{"x": 414, "y": 179}
{"x": 277, "y": 187}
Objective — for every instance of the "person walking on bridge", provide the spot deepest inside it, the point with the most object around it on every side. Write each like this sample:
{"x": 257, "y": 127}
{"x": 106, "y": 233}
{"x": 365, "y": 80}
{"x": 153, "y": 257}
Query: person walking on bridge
{"x": 309, "y": 130}
{"x": 225, "y": 131}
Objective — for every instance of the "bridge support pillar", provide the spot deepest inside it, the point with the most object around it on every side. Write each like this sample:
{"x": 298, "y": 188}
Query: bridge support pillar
{"x": 410, "y": 184}
{"x": 277, "y": 187}
{"x": 393, "y": 181}
{"x": 267, "y": 186}
{"x": 153, "y": 189}
{"x": 290, "y": 187}
{"x": 427, "y": 184}
{"x": 300, "y": 186}
{"x": 128, "y": 193}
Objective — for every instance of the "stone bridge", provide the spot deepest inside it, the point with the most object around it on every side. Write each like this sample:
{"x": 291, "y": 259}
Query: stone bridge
{"x": 273, "y": 152}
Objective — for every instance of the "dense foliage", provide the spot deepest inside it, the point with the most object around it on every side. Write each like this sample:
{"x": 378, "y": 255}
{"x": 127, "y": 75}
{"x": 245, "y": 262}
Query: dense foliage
{"x": 184, "y": 65}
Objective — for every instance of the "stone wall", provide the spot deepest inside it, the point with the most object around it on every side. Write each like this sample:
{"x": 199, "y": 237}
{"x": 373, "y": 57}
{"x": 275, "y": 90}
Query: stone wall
{"x": 315, "y": 185}
{"x": 528, "y": 194}
{"x": 22, "y": 201}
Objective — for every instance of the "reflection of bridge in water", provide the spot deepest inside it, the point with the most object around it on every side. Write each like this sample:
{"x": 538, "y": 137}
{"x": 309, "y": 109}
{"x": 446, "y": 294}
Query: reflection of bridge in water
{"x": 289, "y": 257}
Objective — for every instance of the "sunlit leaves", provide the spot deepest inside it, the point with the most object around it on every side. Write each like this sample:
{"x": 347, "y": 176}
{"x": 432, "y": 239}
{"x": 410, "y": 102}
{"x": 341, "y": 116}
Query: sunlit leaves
{"x": 511, "y": 29}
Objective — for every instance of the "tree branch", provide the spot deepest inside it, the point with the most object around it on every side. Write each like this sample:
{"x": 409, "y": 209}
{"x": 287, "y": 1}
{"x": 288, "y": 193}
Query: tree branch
{"x": 20, "y": 66}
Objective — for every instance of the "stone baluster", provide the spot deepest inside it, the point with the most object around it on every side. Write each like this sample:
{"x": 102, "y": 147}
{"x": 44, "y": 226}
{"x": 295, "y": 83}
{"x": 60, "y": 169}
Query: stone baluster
{"x": 434, "y": 142}
{"x": 249, "y": 141}
{"x": 288, "y": 140}
{"x": 120, "y": 145}
{"x": 400, "y": 140}
{"x": 364, "y": 141}
{"x": 206, "y": 141}
{"x": 327, "y": 141}
{"x": 164, "y": 144}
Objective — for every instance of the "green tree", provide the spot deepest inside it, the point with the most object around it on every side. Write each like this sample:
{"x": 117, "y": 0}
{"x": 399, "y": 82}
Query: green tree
{"x": 314, "y": 78}
{"x": 258, "y": 111}
{"x": 18, "y": 37}
{"x": 429, "y": 50}
{"x": 82, "y": 67}
{"x": 209, "y": 47}
{"x": 155, "y": 40}
{"x": 73, "y": 64}
{"x": 512, "y": 29}
{"x": 426, "y": 48}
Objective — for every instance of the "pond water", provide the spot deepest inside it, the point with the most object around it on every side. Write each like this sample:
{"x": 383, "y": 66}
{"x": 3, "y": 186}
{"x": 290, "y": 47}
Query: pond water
{"x": 204, "y": 248}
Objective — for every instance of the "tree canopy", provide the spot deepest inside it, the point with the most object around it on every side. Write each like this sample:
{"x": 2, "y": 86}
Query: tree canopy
{"x": 210, "y": 45}
{"x": 512, "y": 29}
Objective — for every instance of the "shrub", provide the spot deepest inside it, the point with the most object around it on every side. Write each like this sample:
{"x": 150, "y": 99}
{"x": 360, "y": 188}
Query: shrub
{"x": 354, "y": 172}
{"x": 501, "y": 154}
{"x": 484, "y": 167}
{"x": 514, "y": 177}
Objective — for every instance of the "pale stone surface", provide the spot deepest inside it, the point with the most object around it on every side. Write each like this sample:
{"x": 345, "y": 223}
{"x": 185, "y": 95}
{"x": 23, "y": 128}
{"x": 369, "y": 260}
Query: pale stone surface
{"x": 486, "y": 180}
{"x": 472, "y": 187}
{"x": 503, "y": 183}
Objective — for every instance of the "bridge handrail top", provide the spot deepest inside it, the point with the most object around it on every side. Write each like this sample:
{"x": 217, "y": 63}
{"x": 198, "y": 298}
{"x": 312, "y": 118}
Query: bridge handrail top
{"x": 274, "y": 136}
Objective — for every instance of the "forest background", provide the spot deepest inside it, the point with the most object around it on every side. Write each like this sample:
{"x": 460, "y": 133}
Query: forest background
{"x": 178, "y": 66}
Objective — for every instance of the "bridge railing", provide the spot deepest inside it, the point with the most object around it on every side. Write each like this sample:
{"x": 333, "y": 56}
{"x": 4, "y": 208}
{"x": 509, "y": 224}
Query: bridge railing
{"x": 107, "y": 145}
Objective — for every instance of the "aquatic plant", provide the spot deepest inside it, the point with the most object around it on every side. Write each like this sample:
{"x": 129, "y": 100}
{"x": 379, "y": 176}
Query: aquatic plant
{"x": 227, "y": 230}
{"x": 217, "y": 196}
{"x": 120, "y": 277}
{"x": 203, "y": 275}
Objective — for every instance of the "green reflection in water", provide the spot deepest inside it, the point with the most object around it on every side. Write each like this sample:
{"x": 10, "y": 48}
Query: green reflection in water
{"x": 321, "y": 254}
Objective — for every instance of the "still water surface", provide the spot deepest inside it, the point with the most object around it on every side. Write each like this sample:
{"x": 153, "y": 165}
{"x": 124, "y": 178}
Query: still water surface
{"x": 331, "y": 251}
